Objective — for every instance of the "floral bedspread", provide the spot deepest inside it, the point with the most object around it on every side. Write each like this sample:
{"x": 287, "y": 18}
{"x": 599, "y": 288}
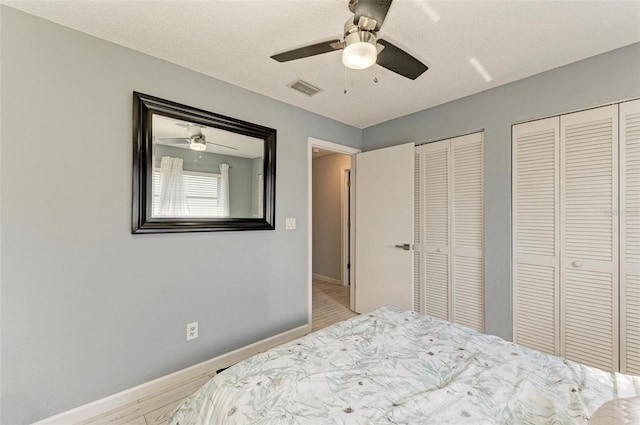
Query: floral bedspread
{"x": 399, "y": 367}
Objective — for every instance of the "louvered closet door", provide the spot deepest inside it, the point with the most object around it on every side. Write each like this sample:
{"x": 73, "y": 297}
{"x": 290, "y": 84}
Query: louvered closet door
{"x": 589, "y": 240}
{"x": 630, "y": 237}
{"x": 418, "y": 300}
{"x": 467, "y": 231}
{"x": 435, "y": 226}
{"x": 536, "y": 213}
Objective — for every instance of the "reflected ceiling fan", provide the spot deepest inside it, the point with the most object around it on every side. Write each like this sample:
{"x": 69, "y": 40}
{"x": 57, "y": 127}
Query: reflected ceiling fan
{"x": 196, "y": 140}
{"x": 360, "y": 44}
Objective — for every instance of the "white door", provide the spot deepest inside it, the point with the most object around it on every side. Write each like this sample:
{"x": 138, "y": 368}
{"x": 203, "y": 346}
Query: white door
{"x": 589, "y": 237}
{"x": 384, "y": 220}
{"x": 536, "y": 234}
{"x": 466, "y": 238}
{"x": 435, "y": 208}
{"x": 630, "y": 237}
{"x": 451, "y": 234}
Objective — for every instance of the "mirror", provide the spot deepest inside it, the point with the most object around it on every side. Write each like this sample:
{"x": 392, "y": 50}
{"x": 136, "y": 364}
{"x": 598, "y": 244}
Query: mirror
{"x": 197, "y": 171}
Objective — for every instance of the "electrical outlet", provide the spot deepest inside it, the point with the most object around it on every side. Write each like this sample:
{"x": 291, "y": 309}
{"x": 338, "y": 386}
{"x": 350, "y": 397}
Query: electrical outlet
{"x": 192, "y": 331}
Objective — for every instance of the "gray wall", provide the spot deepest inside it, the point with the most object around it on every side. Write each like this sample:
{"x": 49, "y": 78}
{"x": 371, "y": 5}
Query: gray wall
{"x": 327, "y": 214}
{"x": 87, "y": 308}
{"x": 605, "y": 78}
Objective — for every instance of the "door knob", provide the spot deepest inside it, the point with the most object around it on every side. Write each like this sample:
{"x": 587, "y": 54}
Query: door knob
{"x": 405, "y": 246}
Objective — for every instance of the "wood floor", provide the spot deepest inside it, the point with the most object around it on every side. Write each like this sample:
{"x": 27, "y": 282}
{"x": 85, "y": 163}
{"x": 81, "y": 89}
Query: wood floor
{"x": 330, "y": 305}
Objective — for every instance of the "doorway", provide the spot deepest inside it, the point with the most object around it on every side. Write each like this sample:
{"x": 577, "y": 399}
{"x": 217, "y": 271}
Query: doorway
{"x": 330, "y": 234}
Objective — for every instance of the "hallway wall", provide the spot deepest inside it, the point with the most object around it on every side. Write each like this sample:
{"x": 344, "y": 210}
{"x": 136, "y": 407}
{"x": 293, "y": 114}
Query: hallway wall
{"x": 327, "y": 214}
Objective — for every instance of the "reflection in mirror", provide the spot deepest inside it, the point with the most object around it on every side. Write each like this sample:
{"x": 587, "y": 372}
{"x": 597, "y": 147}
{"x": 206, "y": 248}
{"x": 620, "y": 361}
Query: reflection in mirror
{"x": 199, "y": 171}
{"x": 196, "y": 171}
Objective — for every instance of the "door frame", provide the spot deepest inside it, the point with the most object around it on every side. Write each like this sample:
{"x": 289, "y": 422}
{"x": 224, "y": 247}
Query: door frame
{"x": 312, "y": 142}
{"x": 345, "y": 222}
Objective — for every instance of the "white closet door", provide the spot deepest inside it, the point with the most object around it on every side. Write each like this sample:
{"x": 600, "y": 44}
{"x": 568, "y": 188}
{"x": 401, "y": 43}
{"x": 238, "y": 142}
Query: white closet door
{"x": 536, "y": 232}
{"x": 466, "y": 231}
{"x": 418, "y": 300}
{"x": 589, "y": 240}
{"x": 630, "y": 237}
{"x": 435, "y": 225}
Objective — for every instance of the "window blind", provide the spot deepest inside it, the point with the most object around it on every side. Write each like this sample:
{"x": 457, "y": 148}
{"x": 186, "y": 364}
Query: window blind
{"x": 201, "y": 189}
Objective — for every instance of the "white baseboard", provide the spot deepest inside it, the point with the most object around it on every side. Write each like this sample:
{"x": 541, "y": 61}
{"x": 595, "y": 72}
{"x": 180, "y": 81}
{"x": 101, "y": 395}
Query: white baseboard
{"x": 114, "y": 401}
{"x": 328, "y": 279}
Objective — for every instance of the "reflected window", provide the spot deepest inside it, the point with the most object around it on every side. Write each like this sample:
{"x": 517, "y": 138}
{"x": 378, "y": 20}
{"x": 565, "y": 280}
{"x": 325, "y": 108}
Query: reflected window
{"x": 260, "y": 196}
{"x": 201, "y": 191}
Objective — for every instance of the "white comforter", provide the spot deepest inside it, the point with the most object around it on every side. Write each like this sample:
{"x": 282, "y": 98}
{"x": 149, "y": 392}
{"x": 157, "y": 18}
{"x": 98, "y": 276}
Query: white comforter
{"x": 399, "y": 367}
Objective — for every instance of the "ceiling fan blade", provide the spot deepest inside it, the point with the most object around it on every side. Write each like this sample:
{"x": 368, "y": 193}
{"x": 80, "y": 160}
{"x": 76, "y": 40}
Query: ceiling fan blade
{"x": 174, "y": 140}
{"x": 311, "y": 50}
{"x": 374, "y": 9}
{"x": 224, "y": 146}
{"x": 397, "y": 60}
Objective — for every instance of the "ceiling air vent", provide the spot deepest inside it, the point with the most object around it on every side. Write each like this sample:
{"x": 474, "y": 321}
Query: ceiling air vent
{"x": 304, "y": 87}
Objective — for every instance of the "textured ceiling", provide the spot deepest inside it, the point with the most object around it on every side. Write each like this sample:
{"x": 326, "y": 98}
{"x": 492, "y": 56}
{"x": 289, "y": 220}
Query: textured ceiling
{"x": 232, "y": 41}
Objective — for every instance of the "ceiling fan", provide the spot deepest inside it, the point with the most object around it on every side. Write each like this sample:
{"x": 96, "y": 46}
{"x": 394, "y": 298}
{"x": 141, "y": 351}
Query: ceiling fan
{"x": 197, "y": 141}
{"x": 360, "y": 44}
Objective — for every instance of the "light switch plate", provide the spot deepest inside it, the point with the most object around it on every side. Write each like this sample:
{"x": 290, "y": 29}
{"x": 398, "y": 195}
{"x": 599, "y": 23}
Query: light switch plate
{"x": 290, "y": 223}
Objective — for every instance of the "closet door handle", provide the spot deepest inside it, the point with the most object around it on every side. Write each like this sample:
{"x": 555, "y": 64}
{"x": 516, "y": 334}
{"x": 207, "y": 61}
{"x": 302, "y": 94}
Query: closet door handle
{"x": 577, "y": 264}
{"x": 405, "y": 246}
{"x": 440, "y": 250}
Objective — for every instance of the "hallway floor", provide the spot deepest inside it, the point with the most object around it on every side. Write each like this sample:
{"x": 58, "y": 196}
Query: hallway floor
{"x": 330, "y": 304}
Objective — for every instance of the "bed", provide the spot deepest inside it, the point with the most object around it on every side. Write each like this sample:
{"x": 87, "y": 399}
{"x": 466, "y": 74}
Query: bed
{"x": 393, "y": 366}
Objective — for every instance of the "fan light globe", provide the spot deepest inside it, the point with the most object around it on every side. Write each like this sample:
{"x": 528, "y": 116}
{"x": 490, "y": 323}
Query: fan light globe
{"x": 197, "y": 146}
{"x": 359, "y": 55}
{"x": 360, "y": 50}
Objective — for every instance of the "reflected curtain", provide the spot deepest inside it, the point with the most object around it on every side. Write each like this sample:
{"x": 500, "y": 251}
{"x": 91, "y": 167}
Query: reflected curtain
{"x": 223, "y": 199}
{"x": 173, "y": 200}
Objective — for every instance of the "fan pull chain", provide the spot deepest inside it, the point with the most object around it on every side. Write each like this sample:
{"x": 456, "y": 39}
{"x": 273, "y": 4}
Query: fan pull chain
{"x": 375, "y": 76}
{"x": 345, "y": 80}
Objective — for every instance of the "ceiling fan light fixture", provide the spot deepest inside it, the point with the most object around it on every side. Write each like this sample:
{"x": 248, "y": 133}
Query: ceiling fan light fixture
{"x": 197, "y": 144}
{"x": 360, "y": 50}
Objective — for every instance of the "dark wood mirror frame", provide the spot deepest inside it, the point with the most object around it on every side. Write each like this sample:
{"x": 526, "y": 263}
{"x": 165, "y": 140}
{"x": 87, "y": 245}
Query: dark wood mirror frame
{"x": 144, "y": 106}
